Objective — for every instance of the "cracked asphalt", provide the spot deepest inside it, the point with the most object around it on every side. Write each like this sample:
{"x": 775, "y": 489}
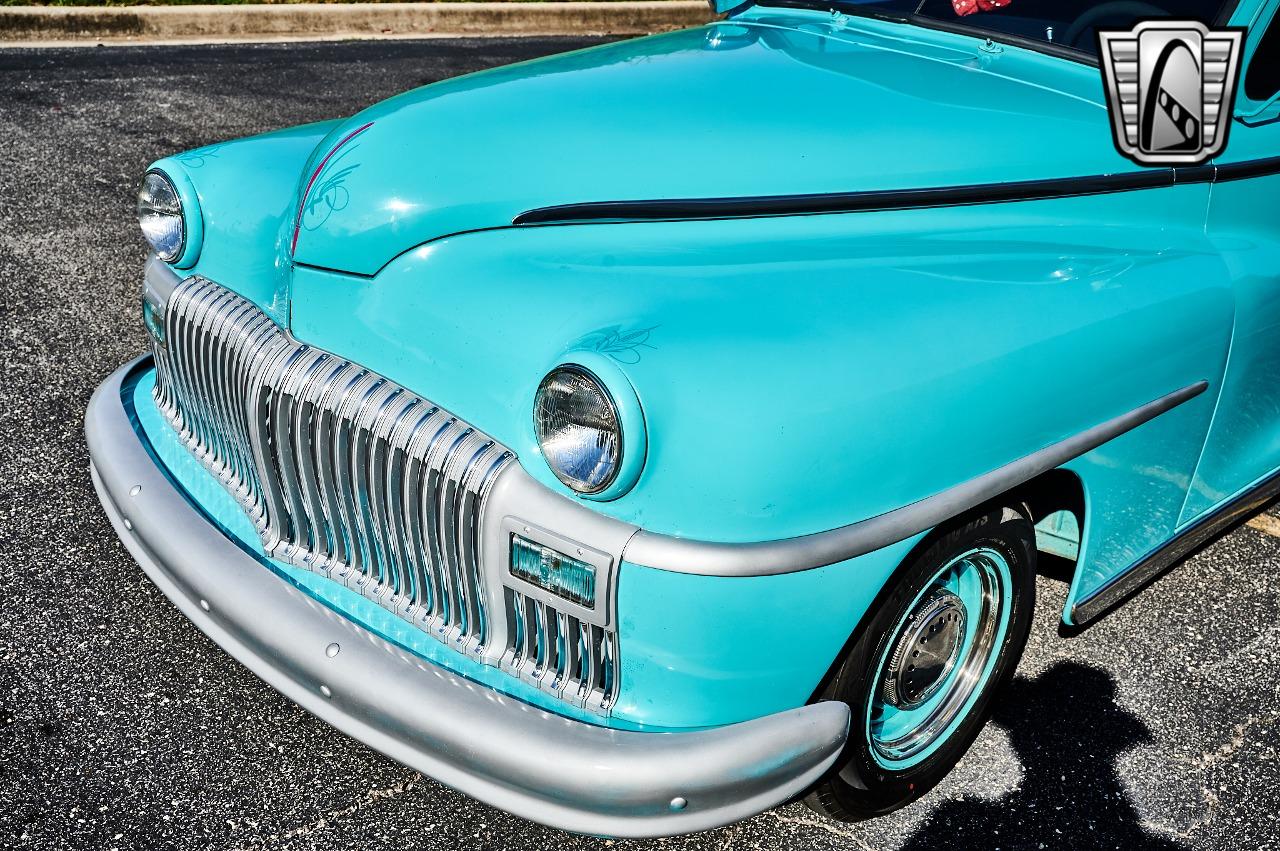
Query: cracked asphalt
{"x": 121, "y": 726}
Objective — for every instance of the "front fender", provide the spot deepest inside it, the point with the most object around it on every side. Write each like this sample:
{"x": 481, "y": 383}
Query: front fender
{"x": 246, "y": 191}
{"x": 800, "y": 374}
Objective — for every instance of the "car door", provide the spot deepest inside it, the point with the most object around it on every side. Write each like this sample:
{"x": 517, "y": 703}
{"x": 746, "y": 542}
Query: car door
{"x": 1244, "y": 225}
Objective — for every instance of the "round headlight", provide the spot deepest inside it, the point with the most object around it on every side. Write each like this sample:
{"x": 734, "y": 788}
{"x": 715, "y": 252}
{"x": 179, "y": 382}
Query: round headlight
{"x": 161, "y": 218}
{"x": 578, "y": 429}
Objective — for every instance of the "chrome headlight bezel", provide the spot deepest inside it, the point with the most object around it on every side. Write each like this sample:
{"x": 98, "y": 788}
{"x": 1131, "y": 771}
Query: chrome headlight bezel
{"x": 159, "y": 200}
{"x": 632, "y": 441}
{"x": 549, "y": 402}
{"x": 168, "y": 192}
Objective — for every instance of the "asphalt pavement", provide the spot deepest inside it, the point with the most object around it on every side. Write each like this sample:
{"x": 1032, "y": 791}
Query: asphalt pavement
{"x": 121, "y": 726}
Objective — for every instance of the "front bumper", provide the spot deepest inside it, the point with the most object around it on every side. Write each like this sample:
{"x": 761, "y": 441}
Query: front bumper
{"x": 542, "y": 766}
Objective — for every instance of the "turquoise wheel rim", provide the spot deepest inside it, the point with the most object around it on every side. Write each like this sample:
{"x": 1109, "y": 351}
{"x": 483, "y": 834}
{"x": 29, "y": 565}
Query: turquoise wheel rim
{"x": 938, "y": 659}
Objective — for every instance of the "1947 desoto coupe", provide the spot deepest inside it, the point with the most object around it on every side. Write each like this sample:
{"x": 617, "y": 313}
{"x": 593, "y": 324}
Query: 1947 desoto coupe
{"x": 640, "y": 438}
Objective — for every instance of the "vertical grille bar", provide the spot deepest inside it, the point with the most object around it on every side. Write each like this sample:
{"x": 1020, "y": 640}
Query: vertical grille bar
{"x": 575, "y": 660}
{"x": 348, "y": 474}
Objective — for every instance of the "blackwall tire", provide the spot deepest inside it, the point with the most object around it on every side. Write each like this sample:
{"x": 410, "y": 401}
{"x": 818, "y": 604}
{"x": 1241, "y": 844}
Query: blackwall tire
{"x": 942, "y": 642}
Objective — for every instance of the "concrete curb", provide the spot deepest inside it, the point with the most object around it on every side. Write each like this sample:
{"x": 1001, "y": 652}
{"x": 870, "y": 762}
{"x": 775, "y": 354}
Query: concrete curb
{"x": 21, "y": 25}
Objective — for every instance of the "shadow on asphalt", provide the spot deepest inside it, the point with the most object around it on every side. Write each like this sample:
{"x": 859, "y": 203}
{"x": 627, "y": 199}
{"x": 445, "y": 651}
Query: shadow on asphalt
{"x": 1068, "y": 733}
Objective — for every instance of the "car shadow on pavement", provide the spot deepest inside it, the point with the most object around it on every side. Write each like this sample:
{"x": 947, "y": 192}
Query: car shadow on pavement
{"x": 1068, "y": 732}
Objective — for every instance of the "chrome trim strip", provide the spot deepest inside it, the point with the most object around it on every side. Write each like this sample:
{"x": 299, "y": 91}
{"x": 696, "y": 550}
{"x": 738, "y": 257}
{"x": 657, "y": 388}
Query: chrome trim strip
{"x": 536, "y": 764}
{"x": 1168, "y": 554}
{"x": 789, "y": 555}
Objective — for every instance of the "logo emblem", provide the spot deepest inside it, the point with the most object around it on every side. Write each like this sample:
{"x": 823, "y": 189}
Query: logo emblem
{"x": 1170, "y": 86}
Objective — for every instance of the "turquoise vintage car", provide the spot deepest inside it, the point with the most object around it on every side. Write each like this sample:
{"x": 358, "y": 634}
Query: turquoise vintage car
{"x": 641, "y": 438}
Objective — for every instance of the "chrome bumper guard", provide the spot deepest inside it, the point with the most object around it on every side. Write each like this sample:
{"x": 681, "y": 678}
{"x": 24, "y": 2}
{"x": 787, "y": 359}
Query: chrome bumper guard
{"x": 545, "y": 767}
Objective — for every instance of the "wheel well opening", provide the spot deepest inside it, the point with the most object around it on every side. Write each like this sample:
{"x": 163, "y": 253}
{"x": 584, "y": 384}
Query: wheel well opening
{"x": 1055, "y": 503}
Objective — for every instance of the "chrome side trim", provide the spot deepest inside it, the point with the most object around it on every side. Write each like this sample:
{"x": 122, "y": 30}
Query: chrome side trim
{"x": 789, "y": 555}
{"x": 536, "y": 764}
{"x": 1124, "y": 584}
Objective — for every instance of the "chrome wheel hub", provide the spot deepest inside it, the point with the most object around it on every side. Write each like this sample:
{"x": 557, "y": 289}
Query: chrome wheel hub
{"x": 926, "y": 651}
{"x": 934, "y": 664}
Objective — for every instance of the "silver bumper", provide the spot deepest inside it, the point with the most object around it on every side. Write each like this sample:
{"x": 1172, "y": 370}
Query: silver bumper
{"x": 533, "y": 763}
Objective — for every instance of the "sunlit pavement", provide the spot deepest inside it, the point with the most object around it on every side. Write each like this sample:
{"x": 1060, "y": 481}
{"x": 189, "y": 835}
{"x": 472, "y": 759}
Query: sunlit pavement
{"x": 121, "y": 726}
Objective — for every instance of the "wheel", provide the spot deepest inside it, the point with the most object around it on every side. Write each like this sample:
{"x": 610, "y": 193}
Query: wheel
{"x": 919, "y": 680}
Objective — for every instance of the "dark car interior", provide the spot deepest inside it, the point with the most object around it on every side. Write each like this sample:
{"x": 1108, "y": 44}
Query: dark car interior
{"x": 1070, "y": 24}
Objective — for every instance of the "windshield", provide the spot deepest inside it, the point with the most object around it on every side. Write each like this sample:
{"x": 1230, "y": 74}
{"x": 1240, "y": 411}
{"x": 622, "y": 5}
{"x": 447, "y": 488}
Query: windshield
{"x": 1069, "y": 24}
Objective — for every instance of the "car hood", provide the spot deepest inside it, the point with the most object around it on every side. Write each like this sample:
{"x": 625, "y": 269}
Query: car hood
{"x": 774, "y": 104}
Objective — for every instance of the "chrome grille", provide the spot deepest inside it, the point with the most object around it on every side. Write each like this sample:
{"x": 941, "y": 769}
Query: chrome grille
{"x": 346, "y": 473}
{"x": 573, "y": 659}
{"x": 342, "y": 471}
